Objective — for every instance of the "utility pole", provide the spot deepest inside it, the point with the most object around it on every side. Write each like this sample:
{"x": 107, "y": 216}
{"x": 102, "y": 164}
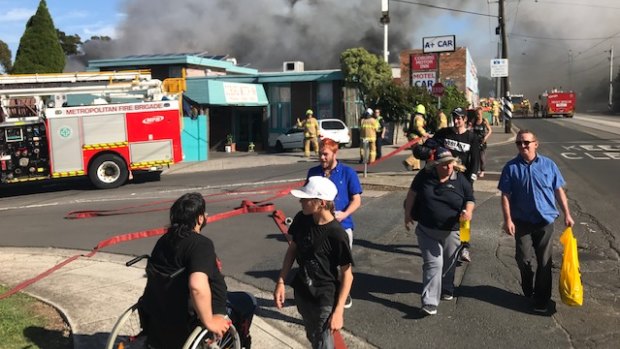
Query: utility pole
{"x": 505, "y": 81}
{"x": 611, "y": 78}
{"x": 385, "y": 20}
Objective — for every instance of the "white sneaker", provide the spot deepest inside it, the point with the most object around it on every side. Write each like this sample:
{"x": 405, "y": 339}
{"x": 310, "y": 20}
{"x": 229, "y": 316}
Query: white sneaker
{"x": 349, "y": 303}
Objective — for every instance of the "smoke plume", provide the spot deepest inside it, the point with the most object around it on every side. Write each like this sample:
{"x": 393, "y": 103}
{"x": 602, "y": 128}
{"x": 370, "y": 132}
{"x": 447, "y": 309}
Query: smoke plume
{"x": 547, "y": 48}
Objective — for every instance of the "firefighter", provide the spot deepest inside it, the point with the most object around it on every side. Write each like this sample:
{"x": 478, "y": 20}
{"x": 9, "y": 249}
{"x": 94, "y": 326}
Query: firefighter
{"x": 380, "y": 131}
{"x": 496, "y": 112}
{"x": 368, "y": 133}
{"x": 417, "y": 129}
{"x": 311, "y": 132}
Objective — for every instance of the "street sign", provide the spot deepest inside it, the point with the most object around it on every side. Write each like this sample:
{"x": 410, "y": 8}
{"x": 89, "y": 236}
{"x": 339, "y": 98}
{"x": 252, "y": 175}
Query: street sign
{"x": 437, "y": 89}
{"x": 499, "y": 68}
{"x": 446, "y": 43}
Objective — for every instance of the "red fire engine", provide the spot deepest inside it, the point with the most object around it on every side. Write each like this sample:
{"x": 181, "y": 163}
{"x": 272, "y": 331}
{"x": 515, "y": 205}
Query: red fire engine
{"x": 128, "y": 123}
{"x": 558, "y": 103}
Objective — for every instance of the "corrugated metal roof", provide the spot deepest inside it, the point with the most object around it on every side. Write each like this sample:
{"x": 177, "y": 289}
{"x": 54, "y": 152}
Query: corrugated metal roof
{"x": 171, "y": 59}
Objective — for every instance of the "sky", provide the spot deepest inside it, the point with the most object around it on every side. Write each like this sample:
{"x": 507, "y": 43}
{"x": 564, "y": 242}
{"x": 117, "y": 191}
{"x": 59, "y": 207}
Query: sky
{"x": 551, "y": 43}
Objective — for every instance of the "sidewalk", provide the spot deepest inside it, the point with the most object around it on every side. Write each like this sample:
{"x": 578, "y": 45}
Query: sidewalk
{"x": 92, "y": 292}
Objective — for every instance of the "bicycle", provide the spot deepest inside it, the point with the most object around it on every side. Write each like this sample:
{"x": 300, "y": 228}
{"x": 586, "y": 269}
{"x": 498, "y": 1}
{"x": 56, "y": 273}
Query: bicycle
{"x": 128, "y": 331}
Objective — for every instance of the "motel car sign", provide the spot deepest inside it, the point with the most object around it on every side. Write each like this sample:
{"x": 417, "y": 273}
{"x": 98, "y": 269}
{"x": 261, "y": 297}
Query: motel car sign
{"x": 446, "y": 43}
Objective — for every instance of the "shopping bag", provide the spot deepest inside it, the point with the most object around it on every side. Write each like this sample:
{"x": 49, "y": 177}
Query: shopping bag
{"x": 571, "y": 290}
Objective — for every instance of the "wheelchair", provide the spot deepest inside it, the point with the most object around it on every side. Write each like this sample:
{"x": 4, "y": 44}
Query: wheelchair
{"x": 129, "y": 332}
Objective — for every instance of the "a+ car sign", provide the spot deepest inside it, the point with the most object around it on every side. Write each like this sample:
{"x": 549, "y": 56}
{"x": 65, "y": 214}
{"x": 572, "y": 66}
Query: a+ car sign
{"x": 446, "y": 43}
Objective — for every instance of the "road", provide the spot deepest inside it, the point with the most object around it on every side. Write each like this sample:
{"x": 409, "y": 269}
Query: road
{"x": 488, "y": 312}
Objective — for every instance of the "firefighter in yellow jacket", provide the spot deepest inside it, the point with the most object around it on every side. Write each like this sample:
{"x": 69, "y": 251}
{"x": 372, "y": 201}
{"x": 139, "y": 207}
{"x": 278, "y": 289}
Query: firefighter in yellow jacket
{"x": 311, "y": 132}
{"x": 417, "y": 129}
{"x": 368, "y": 133}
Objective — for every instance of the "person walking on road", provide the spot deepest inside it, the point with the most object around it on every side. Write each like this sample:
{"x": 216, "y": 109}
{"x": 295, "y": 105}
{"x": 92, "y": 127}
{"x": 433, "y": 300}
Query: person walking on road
{"x": 167, "y": 305}
{"x": 368, "y": 134}
{"x": 530, "y": 185}
{"x": 439, "y": 197}
{"x": 417, "y": 129}
{"x": 481, "y": 128}
{"x": 311, "y": 132}
{"x": 380, "y": 131}
{"x": 463, "y": 144}
{"x": 320, "y": 247}
{"x": 349, "y": 197}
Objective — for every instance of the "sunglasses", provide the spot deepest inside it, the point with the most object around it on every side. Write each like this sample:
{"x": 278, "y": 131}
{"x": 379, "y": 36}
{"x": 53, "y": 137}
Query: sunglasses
{"x": 525, "y": 143}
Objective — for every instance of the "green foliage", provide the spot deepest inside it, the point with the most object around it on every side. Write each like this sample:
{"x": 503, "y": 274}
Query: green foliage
{"x": 365, "y": 71}
{"x": 70, "y": 43}
{"x": 453, "y": 98}
{"x": 39, "y": 48}
{"x": 5, "y": 57}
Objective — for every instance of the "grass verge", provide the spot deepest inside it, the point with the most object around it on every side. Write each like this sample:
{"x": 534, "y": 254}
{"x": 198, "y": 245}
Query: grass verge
{"x": 26, "y": 322}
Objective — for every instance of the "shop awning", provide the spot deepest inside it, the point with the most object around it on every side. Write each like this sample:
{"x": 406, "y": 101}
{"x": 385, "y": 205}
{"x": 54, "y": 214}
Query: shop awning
{"x": 213, "y": 92}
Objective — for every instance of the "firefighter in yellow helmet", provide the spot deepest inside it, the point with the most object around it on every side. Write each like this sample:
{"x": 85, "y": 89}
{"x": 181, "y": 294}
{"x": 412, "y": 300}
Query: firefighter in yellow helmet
{"x": 368, "y": 133}
{"x": 417, "y": 129}
{"x": 311, "y": 132}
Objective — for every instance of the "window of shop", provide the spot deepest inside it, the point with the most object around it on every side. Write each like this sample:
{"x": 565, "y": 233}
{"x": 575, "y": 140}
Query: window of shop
{"x": 279, "y": 107}
{"x": 325, "y": 100}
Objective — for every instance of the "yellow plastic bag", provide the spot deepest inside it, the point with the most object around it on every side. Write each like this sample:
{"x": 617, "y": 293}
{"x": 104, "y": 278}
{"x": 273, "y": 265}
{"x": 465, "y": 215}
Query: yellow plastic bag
{"x": 571, "y": 290}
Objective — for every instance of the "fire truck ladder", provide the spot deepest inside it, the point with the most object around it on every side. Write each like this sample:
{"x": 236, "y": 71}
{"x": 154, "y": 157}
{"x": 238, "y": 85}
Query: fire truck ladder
{"x": 25, "y": 96}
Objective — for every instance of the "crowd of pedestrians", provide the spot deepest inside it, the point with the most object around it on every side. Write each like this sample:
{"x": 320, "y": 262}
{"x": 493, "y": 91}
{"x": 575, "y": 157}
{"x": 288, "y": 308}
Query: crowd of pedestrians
{"x": 440, "y": 197}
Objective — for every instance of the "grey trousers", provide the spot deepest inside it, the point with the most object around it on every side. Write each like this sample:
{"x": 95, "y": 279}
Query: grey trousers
{"x": 439, "y": 252}
{"x": 533, "y": 243}
{"x": 315, "y": 319}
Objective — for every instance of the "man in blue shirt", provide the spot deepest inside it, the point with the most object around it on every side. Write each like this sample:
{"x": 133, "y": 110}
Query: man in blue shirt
{"x": 530, "y": 184}
{"x": 349, "y": 197}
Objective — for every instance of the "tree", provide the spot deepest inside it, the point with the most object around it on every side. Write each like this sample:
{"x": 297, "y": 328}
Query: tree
{"x": 39, "y": 49}
{"x": 5, "y": 57}
{"x": 453, "y": 98}
{"x": 365, "y": 71}
{"x": 70, "y": 43}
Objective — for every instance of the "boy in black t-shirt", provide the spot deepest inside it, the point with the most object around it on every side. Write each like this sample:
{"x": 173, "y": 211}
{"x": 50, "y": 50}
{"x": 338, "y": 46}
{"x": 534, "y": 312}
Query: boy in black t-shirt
{"x": 172, "y": 307}
{"x": 321, "y": 248}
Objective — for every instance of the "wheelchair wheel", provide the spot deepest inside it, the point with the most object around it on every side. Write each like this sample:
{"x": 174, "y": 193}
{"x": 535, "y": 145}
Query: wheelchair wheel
{"x": 127, "y": 332}
{"x": 201, "y": 338}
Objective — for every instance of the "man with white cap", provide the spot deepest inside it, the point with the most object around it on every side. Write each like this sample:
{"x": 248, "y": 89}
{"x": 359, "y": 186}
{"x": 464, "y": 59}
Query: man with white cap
{"x": 321, "y": 248}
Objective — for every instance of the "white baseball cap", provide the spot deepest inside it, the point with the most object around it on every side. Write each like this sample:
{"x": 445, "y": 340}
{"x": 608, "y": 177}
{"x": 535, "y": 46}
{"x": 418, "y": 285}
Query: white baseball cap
{"x": 317, "y": 188}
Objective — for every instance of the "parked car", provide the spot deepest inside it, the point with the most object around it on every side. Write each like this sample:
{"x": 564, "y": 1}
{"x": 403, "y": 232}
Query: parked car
{"x": 328, "y": 128}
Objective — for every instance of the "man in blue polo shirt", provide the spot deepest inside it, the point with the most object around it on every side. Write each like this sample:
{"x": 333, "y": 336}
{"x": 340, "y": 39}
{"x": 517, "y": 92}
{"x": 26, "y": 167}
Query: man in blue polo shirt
{"x": 530, "y": 185}
{"x": 349, "y": 197}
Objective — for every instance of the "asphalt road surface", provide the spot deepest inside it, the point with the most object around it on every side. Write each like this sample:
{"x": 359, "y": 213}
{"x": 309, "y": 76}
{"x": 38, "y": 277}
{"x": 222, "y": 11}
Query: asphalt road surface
{"x": 488, "y": 311}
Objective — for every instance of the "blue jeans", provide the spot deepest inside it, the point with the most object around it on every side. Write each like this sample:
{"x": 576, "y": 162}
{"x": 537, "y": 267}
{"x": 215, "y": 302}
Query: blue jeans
{"x": 316, "y": 322}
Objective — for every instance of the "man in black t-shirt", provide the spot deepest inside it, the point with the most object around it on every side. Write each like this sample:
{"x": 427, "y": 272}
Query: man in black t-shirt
{"x": 172, "y": 307}
{"x": 321, "y": 248}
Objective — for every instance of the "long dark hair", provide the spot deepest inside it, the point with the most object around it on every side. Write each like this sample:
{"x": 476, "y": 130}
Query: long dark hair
{"x": 184, "y": 214}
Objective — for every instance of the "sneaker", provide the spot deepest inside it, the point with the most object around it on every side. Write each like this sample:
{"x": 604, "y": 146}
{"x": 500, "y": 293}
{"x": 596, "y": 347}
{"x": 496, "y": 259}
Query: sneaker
{"x": 349, "y": 303}
{"x": 429, "y": 309}
{"x": 447, "y": 295}
{"x": 465, "y": 255}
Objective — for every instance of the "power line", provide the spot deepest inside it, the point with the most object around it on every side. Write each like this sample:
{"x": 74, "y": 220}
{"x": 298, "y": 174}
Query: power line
{"x": 444, "y": 8}
{"x": 563, "y": 39}
{"x": 576, "y": 4}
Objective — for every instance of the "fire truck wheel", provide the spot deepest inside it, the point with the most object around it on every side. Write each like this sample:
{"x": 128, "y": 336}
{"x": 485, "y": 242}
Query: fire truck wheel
{"x": 108, "y": 171}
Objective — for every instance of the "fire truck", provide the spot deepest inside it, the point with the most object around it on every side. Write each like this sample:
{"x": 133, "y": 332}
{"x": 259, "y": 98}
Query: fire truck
{"x": 101, "y": 125}
{"x": 558, "y": 103}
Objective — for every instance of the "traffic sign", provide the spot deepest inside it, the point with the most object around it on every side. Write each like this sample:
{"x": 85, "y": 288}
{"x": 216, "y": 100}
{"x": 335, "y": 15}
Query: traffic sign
{"x": 437, "y": 89}
{"x": 499, "y": 68}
